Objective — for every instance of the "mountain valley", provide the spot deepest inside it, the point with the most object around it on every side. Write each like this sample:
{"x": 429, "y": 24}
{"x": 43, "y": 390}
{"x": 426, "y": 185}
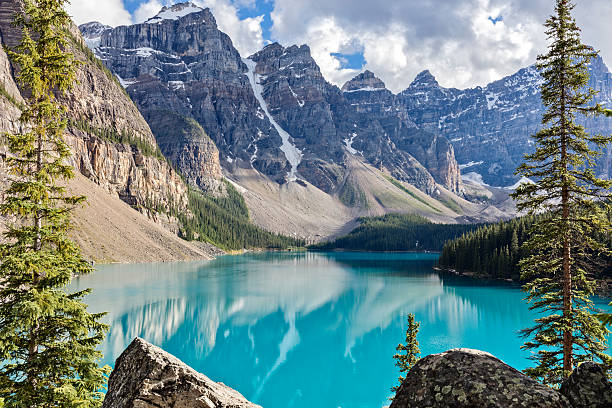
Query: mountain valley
{"x": 308, "y": 157}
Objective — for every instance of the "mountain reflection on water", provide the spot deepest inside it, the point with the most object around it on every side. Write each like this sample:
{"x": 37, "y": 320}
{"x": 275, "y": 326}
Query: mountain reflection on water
{"x": 304, "y": 329}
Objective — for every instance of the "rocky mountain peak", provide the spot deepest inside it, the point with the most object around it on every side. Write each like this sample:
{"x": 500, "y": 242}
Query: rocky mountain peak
{"x": 425, "y": 80}
{"x": 92, "y": 33}
{"x": 174, "y": 12}
{"x": 93, "y": 29}
{"x": 366, "y": 81}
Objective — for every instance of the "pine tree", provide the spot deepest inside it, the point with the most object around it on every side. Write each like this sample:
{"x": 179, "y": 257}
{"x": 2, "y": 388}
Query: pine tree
{"x": 48, "y": 339}
{"x": 407, "y": 354}
{"x": 561, "y": 248}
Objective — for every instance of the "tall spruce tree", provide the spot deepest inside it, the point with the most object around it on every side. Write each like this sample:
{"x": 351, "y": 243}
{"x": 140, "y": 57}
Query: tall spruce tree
{"x": 48, "y": 339}
{"x": 561, "y": 249}
{"x": 407, "y": 353}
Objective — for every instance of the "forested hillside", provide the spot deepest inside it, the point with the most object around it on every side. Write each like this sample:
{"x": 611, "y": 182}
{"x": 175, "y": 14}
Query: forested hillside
{"x": 224, "y": 222}
{"x": 397, "y": 232}
{"x": 493, "y": 250}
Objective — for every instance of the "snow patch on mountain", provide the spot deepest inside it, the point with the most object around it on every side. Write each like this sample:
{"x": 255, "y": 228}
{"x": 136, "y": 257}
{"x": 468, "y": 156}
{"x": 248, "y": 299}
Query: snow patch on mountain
{"x": 523, "y": 180}
{"x": 491, "y": 100}
{"x": 125, "y": 83}
{"x": 366, "y": 89}
{"x": 174, "y": 12}
{"x": 470, "y": 164}
{"x": 474, "y": 178}
{"x": 292, "y": 153}
{"x": 348, "y": 143}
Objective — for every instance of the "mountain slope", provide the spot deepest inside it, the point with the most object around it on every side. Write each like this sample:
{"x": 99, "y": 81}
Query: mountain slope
{"x": 113, "y": 147}
{"x": 490, "y": 127}
{"x": 273, "y": 117}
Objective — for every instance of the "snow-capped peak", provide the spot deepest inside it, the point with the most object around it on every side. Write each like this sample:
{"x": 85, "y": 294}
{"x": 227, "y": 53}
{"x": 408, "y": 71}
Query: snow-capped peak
{"x": 366, "y": 81}
{"x": 424, "y": 80}
{"x": 174, "y": 12}
{"x": 92, "y": 33}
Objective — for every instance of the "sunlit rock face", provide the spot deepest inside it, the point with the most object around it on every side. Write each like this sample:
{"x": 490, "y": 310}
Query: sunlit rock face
{"x": 145, "y": 376}
{"x": 99, "y": 101}
{"x": 179, "y": 66}
{"x": 491, "y": 125}
{"x": 385, "y": 133}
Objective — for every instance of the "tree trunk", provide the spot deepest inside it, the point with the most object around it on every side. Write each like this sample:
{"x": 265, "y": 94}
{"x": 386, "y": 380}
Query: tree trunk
{"x": 567, "y": 272}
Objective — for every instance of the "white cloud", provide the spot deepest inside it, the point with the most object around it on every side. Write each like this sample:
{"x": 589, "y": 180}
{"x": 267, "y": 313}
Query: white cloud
{"x": 399, "y": 38}
{"x": 110, "y": 12}
{"x": 147, "y": 10}
{"x": 246, "y": 34}
{"x": 457, "y": 42}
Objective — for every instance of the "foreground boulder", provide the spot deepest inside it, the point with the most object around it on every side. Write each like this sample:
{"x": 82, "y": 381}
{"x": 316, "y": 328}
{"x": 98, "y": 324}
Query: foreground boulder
{"x": 588, "y": 387}
{"x": 145, "y": 376}
{"x": 472, "y": 378}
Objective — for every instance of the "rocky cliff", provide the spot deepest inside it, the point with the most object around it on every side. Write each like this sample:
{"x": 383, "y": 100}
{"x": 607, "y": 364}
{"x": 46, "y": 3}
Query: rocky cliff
{"x": 111, "y": 143}
{"x": 180, "y": 62}
{"x": 273, "y": 112}
{"x": 390, "y": 136}
{"x": 489, "y": 127}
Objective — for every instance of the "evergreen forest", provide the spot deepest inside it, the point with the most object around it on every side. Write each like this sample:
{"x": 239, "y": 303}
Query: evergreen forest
{"x": 397, "y": 232}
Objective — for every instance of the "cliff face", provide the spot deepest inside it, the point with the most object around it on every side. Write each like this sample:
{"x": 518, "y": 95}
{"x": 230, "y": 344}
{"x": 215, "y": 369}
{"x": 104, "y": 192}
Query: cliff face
{"x": 111, "y": 142}
{"x": 399, "y": 138}
{"x": 363, "y": 119}
{"x": 181, "y": 63}
{"x": 273, "y": 112}
{"x": 490, "y": 126}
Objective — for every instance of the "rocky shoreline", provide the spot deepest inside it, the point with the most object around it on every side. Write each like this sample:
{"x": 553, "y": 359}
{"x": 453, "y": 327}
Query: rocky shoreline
{"x": 603, "y": 286}
{"x": 145, "y": 376}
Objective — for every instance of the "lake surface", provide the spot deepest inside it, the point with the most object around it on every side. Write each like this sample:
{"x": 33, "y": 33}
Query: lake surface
{"x": 304, "y": 329}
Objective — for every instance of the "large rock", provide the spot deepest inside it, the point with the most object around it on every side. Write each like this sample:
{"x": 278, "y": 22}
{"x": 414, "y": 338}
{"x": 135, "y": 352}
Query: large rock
{"x": 588, "y": 387}
{"x": 145, "y": 376}
{"x": 179, "y": 61}
{"x": 472, "y": 378}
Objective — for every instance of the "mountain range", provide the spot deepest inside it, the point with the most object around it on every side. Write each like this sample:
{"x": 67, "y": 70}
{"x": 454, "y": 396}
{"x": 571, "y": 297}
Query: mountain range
{"x": 170, "y": 104}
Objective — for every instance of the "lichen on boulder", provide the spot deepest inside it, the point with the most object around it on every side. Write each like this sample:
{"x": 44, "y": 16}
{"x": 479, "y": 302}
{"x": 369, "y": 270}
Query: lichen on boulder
{"x": 588, "y": 387}
{"x": 472, "y": 378}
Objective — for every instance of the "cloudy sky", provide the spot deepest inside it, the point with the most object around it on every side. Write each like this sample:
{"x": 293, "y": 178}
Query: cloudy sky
{"x": 464, "y": 43}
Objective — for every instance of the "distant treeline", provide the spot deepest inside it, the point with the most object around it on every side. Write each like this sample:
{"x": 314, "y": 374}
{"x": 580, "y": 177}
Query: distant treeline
{"x": 397, "y": 232}
{"x": 493, "y": 250}
{"x": 224, "y": 222}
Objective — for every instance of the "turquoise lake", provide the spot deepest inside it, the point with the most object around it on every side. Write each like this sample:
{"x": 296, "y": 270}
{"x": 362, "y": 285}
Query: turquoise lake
{"x": 305, "y": 329}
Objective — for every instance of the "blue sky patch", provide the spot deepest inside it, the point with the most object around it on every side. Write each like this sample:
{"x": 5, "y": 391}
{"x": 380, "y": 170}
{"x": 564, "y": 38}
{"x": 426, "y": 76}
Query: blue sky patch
{"x": 350, "y": 61}
{"x": 496, "y": 19}
{"x": 261, "y": 7}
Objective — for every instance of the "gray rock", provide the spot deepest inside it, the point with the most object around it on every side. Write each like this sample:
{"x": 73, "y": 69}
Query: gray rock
{"x": 588, "y": 387}
{"x": 145, "y": 376}
{"x": 188, "y": 66}
{"x": 490, "y": 126}
{"x": 472, "y": 378}
{"x": 98, "y": 100}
